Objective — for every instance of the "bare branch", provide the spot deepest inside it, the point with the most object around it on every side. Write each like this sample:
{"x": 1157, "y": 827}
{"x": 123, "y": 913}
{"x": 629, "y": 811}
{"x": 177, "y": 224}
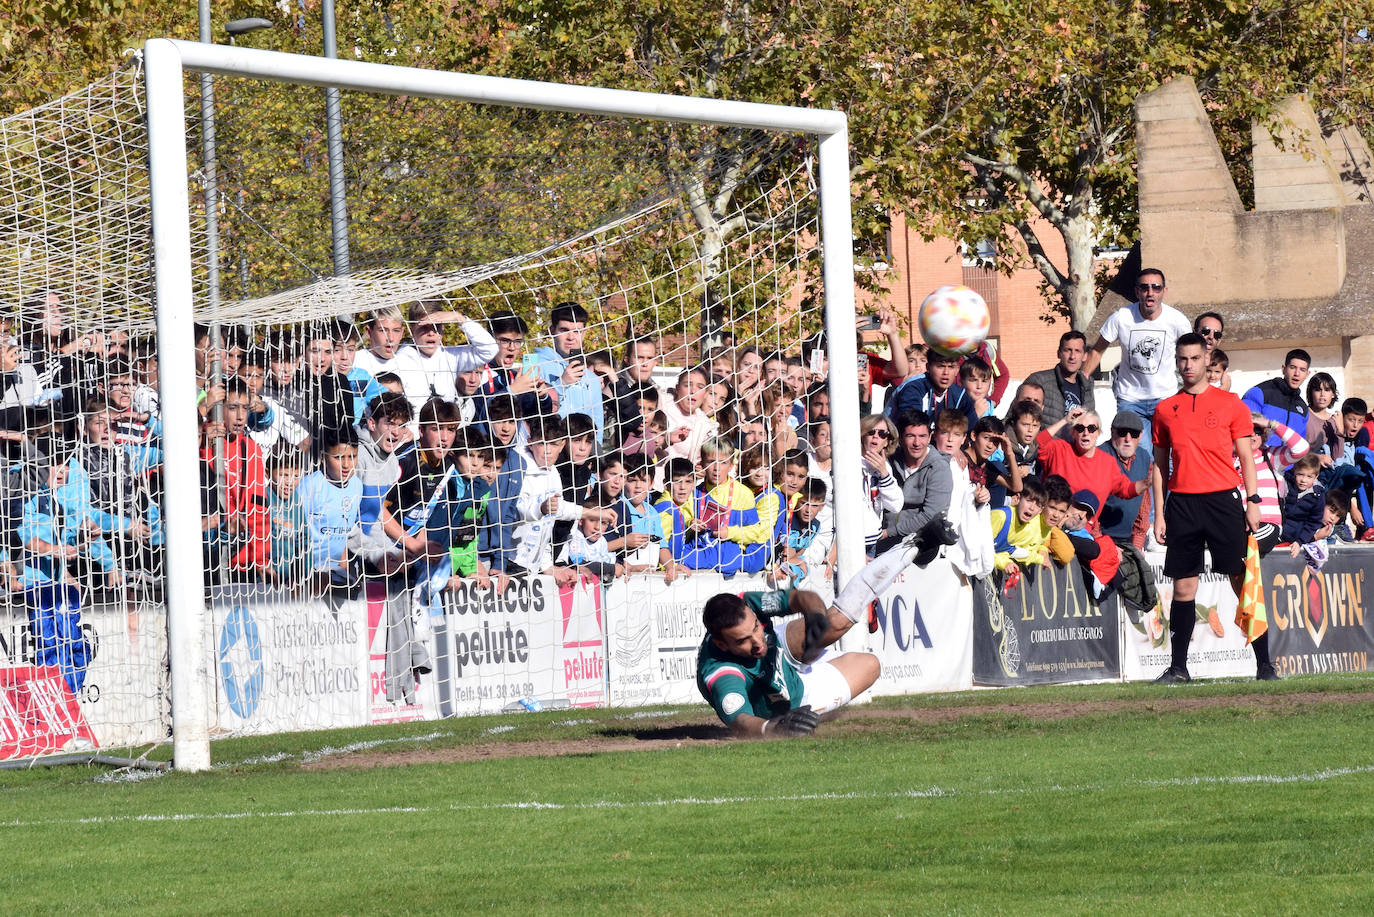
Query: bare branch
{"x": 1034, "y": 193}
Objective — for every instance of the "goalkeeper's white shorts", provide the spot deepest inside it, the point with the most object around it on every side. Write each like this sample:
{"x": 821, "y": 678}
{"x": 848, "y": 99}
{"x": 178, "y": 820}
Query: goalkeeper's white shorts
{"x": 824, "y": 687}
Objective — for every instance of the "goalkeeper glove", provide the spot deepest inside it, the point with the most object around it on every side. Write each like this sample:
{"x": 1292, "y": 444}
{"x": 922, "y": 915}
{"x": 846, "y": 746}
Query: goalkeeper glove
{"x": 801, "y": 721}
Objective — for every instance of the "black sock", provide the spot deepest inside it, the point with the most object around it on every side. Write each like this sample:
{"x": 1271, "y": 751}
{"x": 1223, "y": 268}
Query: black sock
{"x": 1182, "y": 618}
{"x": 1261, "y": 647}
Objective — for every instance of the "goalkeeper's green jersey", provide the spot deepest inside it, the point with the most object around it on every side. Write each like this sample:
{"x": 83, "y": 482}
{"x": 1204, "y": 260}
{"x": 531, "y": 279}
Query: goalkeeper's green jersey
{"x": 764, "y": 687}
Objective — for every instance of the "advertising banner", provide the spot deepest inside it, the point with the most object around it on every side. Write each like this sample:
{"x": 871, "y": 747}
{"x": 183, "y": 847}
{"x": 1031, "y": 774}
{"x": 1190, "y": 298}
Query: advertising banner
{"x": 285, "y": 664}
{"x": 925, "y": 632}
{"x": 39, "y": 715}
{"x": 532, "y": 641}
{"x": 654, "y": 633}
{"x": 1317, "y": 619}
{"x": 1046, "y": 630}
{"x": 124, "y": 698}
{"x": 1218, "y": 648}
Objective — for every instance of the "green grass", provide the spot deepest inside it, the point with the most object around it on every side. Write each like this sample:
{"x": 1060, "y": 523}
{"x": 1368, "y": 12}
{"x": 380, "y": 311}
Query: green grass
{"x": 991, "y": 811}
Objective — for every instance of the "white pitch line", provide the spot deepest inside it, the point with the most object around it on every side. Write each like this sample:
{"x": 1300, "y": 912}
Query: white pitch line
{"x": 932, "y": 792}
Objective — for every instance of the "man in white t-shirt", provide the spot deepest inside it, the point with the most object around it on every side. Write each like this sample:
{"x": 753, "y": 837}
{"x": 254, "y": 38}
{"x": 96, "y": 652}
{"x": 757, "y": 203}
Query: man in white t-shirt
{"x": 1146, "y": 330}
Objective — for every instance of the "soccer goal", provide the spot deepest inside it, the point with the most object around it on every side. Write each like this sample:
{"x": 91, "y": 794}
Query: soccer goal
{"x": 315, "y": 534}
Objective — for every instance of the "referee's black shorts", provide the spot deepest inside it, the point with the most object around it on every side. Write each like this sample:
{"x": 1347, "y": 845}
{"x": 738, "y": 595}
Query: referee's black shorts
{"x": 1214, "y": 521}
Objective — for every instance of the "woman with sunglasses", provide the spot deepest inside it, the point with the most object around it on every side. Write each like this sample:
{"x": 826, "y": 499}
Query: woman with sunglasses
{"x": 1079, "y": 461}
{"x": 878, "y": 438}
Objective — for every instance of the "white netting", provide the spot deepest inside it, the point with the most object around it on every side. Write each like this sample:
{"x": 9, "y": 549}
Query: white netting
{"x": 346, "y": 593}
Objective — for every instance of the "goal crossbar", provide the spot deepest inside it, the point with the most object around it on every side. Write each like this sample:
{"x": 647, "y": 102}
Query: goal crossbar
{"x": 166, "y": 62}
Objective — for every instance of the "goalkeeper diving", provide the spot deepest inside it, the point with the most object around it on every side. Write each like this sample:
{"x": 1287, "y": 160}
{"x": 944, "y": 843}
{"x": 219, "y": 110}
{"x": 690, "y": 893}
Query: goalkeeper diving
{"x": 777, "y": 678}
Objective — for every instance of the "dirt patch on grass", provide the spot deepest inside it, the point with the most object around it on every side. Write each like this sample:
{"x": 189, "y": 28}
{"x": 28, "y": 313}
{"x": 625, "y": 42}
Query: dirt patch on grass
{"x": 675, "y": 731}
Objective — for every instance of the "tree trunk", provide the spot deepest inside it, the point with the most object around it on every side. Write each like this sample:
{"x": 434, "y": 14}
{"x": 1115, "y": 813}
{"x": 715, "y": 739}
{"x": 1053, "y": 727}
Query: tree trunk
{"x": 1080, "y": 292}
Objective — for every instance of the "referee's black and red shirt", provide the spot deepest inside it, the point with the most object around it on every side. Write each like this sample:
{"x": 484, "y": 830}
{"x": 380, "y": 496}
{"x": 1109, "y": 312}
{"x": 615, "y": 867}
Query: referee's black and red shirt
{"x": 1200, "y": 431}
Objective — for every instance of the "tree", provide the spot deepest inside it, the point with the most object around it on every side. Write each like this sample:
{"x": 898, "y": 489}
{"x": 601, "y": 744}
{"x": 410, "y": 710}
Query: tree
{"x": 972, "y": 118}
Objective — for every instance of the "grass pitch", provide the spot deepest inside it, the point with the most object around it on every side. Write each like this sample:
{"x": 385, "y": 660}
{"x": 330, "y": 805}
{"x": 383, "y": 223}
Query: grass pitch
{"x": 1206, "y": 798}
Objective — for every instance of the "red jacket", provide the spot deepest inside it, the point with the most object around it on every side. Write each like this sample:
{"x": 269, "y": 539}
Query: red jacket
{"x": 244, "y": 490}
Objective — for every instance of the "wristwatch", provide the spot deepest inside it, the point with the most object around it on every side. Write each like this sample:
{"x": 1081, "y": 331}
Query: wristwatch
{"x": 1254, "y": 498}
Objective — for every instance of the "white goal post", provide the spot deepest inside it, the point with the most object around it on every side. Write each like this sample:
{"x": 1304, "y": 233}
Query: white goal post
{"x": 166, "y": 62}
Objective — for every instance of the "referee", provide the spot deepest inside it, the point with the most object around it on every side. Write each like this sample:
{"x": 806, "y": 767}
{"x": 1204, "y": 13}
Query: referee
{"x": 1198, "y": 434}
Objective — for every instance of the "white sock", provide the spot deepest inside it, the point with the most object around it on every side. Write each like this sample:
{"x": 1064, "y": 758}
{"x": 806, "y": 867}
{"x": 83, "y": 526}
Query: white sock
{"x": 877, "y": 575}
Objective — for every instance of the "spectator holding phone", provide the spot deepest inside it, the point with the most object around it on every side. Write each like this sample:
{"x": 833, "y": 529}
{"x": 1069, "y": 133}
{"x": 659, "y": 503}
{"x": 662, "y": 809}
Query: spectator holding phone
{"x": 563, "y": 366}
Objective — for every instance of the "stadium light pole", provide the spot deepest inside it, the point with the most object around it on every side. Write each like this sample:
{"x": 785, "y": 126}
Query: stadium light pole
{"x": 333, "y": 123}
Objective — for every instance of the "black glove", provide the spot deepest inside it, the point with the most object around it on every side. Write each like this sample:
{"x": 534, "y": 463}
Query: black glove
{"x": 817, "y": 627}
{"x": 801, "y": 721}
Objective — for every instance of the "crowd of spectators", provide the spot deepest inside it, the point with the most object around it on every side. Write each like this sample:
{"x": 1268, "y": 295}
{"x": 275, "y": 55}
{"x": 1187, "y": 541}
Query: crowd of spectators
{"x": 331, "y": 453}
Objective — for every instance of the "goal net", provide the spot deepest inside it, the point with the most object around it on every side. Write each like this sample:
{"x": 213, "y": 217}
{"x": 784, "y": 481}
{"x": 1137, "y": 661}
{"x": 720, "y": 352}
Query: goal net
{"x": 563, "y": 375}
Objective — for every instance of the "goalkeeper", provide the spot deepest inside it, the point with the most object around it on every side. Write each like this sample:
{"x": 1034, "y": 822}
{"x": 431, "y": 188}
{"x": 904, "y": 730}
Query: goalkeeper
{"x": 776, "y": 679}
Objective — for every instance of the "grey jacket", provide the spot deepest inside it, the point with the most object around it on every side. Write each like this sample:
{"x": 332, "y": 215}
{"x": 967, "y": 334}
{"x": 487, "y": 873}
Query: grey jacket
{"x": 926, "y": 493}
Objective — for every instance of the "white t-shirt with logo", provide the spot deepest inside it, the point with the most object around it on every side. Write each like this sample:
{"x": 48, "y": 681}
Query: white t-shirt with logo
{"x": 1147, "y": 368}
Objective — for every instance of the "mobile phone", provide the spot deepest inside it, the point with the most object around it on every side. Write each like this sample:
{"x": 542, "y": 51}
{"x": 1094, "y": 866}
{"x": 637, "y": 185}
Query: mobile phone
{"x": 863, "y": 362}
{"x": 870, "y": 323}
{"x": 576, "y": 357}
{"x": 528, "y": 362}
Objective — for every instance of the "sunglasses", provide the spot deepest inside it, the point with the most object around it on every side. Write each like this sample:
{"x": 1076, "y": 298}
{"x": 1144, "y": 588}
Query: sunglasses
{"x": 1133, "y": 434}
{"x": 1150, "y": 286}
{"x": 1085, "y": 428}
{"x": 880, "y": 433}
{"x": 1214, "y": 334}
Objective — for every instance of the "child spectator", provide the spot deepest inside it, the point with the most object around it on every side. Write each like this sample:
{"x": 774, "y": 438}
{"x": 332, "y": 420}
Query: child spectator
{"x": 990, "y": 437}
{"x": 385, "y": 330}
{"x": 976, "y": 377}
{"x": 347, "y": 340}
{"x": 269, "y": 423}
{"x": 725, "y": 522}
{"x": 576, "y": 471}
{"x": 503, "y": 515}
{"x": 1346, "y": 473}
{"x": 564, "y": 366}
{"x": 243, "y": 536}
{"x": 330, "y": 498}
{"x": 1020, "y": 533}
{"x": 1304, "y": 505}
{"x": 804, "y": 546}
{"x": 1058, "y": 501}
{"x": 469, "y": 496}
{"x": 646, "y": 545}
{"x": 422, "y": 495}
{"x": 390, "y": 382}
{"x": 129, "y": 425}
{"x": 1269, "y": 480}
{"x": 284, "y": 359}
{"x": 587, "y": 552}
{"x": 146, "y": 398}
{"x": 1023, "y": 426}
{"x": 541, "y": 502}
{"x": 936, "y": 390}
{"x": 115, "y": 476}
{"x": 385, "y": 429}
{"x": 1217, "y": 365}
{"x": 59, "y": 521}
{"x": 1098, "y": 555}
{"x": 769, "y": 504}
{"x": 675, "y": 505}
{"x": 1334, "y": 516}
{"x": 516, "y": 374}
{"x": 318, "y": 396}
{"x": 290, "y": 527}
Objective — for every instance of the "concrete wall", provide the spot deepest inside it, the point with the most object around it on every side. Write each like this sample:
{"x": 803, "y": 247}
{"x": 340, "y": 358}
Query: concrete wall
{"x": 1192, "y": 224}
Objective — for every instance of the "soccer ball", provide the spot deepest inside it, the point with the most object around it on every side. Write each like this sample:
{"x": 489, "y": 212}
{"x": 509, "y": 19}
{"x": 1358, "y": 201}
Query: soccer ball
{"x": 954, "y": 320}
